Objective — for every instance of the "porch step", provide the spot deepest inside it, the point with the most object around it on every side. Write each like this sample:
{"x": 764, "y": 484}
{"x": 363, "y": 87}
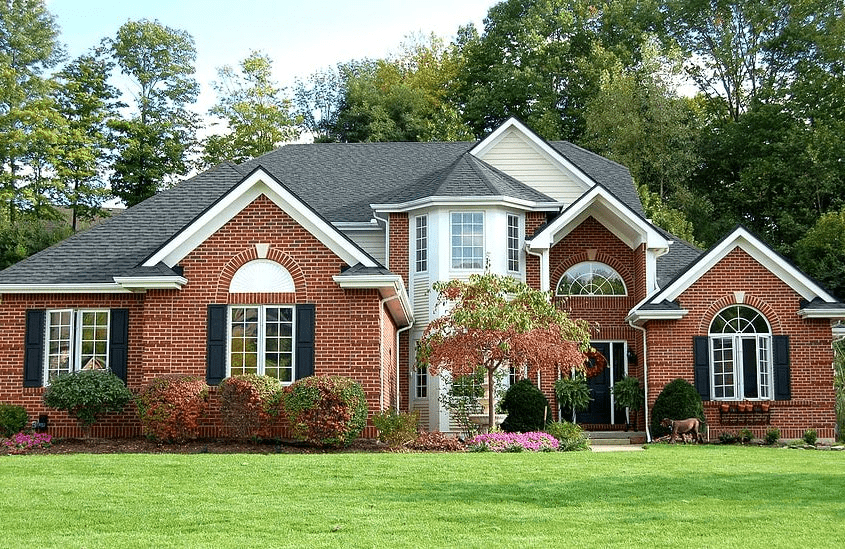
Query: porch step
{"x": 616, "y": 438}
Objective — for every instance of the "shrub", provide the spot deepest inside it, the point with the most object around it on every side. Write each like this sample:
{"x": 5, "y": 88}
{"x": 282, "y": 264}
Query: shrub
{"x": 570, "y": 437}
{"x": 728, "y": 437}
{"x": 435, "y": 441}
{"x": 20, "y": 443}
{"x": 677, "y": 400}
{"x": 396, "y": 429}
{"x": 462, "y": 400}
{"x": 13, "y": 419}
{"x": 513, "y": 442}
{"x": 810, "y": 437}
{"x": 772, "y": 436}
{"x": 745, "y": 435}
{"x": 526, "y": 407}
{"x": 170, "y": 407}
{"x": 86, "y": 395}
{"x": 326, "y": 411}
{"x": 248, "y": 402}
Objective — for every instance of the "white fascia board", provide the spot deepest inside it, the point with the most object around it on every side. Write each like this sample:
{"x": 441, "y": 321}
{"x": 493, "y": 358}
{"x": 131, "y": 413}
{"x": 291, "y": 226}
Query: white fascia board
{"x": 809, "y": 312}
{"x": 98, "y": 288}
{"x": 143, "y": 283}
{"x": 499, "y": 133}
{"x": 462, "y": 201}
{"x": 357, "y": 226}
{"x": 258, "y": 183}
{"x": 598, "y": 202}
{"x": 838, "y": 330}
{"x": 641, "y": 317}
{"x": 387, "y": 285}
{"x": 761, "y": 253}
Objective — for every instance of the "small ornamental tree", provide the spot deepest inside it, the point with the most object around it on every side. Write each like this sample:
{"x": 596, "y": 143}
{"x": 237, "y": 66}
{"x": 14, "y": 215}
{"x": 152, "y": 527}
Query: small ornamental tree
{"x": 493, "y": 321}
{"x": 86, "y": 395}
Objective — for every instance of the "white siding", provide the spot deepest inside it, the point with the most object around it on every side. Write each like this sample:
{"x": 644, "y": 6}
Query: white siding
{"x": 421, "y": 300}
{"x": 521, "y": 159}
{"x": 370, "y": 240}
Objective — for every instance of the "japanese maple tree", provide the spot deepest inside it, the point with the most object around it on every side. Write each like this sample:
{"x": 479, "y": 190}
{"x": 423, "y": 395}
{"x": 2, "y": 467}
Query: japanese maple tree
{"x": 492, "y": 321}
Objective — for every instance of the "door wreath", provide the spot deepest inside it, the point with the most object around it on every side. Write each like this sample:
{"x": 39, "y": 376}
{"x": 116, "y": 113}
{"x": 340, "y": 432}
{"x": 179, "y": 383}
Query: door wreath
{"x": 595, "y": 363}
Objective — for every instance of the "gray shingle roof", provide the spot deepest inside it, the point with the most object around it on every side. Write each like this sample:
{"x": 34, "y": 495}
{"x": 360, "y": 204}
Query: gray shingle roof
{"x": 337, "y": 180}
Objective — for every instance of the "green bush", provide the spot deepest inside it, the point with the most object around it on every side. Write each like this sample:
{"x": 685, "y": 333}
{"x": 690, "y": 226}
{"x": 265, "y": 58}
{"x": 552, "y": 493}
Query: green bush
{"x": 810, "y": 437}
{"x": 397, "y": 429}
{"x": 772, "y": 436}
{"x": 13, "y": 419}
{"x": 526, "y": 407}
{"x": 87, "y": 395}
{"x": 745, "y": 435}
{"x": 728, "y": 437}
{"x": 170, "y": 407}
{"x": 677, "y": 400}
{"x": 248, "y": 402}
{"x": 570, "y": 436}
{"x": 326, "y": 411}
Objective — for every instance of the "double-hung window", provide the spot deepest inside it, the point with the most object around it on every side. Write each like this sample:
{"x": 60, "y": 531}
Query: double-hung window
{"x": 261, "y": 341}
{"x": 76, "y": 340}
{"x": 421, "y": 243}
{"x": 467, "y": 230}
{"x": 513, "y": 243}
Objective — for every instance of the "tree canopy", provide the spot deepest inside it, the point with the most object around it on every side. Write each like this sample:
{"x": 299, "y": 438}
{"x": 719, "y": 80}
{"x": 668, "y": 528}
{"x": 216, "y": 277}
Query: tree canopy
{"x": 491, "y": 321}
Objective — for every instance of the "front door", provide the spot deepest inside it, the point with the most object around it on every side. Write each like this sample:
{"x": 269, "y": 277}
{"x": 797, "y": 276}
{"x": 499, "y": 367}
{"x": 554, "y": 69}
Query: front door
{"x": 599, "y": 408}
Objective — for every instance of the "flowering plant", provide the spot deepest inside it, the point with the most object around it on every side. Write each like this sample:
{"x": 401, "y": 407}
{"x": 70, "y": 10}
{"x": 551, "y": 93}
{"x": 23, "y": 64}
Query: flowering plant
{"x": 21, "y": 442}
{"x": 514, "y": 442}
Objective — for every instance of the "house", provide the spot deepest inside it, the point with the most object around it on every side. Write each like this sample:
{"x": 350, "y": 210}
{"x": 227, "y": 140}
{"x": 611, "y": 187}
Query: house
{"x": 319, "y": 259}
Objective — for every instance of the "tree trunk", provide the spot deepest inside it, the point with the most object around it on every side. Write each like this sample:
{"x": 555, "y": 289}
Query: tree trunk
{"x": 491, "y": 411}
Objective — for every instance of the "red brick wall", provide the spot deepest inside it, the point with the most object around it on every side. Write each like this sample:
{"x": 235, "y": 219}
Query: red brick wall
{"x": 533, "y": 220}
{"x": 591, "y": 241}
{"x": 670, "y": 346}
{"x": 168, "y": 328}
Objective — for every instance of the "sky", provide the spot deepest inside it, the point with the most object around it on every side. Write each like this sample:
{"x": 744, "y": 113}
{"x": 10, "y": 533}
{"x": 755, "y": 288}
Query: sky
{"x": 299, "y": 36}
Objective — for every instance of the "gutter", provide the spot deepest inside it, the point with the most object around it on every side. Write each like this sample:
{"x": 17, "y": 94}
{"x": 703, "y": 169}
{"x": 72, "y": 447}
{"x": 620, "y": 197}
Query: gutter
{"x": 399, "y": 367}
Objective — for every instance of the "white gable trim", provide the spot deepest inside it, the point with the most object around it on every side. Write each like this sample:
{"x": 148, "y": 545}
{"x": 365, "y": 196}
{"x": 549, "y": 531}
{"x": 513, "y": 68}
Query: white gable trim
{"x": 512, "y": 124}
{"x": 254, "y": 185}
{"x": 389, "y": 286}
{"x": 761, "y": 253}
{"x": 599, "y": 203}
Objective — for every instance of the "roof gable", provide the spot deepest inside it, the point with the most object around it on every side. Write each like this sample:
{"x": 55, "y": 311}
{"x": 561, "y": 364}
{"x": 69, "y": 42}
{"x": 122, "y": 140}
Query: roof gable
{"x": 258, "y": 182}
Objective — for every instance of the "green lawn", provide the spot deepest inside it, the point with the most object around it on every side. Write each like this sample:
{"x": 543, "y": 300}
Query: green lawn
{"x": 709, "y": 496}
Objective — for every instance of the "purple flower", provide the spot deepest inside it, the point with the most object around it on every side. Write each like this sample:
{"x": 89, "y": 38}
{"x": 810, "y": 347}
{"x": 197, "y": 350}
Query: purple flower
{"x": 507, "y": 442}
{"x": 21, "y": 442}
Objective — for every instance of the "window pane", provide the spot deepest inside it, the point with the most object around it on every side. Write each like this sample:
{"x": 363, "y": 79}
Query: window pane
{"x": 591, "y": 278}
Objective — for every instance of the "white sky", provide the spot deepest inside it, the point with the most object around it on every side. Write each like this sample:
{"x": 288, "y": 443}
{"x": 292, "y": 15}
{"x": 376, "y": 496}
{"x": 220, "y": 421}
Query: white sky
{"x": 300, "y": 36}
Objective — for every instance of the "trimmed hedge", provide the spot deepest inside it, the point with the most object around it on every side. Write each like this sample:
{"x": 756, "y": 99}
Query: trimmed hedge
{"x": 13, "y": 419}
{"x": 326, "y": 411}
{"x": 170, "y": 407}
{"x": 526, "y": 406}
{"x": 677, "y": 400}
{"x": 86, "y": 395}
{"x": 248, "y": 403}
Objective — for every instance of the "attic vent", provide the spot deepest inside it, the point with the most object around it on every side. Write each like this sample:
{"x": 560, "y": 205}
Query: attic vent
{"x": 262, "y": 276}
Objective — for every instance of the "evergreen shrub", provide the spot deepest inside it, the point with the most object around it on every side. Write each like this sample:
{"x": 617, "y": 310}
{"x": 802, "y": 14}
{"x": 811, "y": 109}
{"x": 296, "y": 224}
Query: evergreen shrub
{"x": 248, "y": 403}
{"x": 526, "y": 407}
{"x": 86, "y": 395}
{"x": 13, "y": 419}
{"x": 326, "y": 410}
{"x": 677, "y": 400}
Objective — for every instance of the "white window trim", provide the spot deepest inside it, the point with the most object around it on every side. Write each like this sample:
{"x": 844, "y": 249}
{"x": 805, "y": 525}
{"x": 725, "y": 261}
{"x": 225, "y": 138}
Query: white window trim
{"x": 763, "y": 339}
{"x": 518, "y": 248}
{"x": 75, "y": 351}
{"x": 261, "y": 338}
{"x": 417, "y": 247}
{"x": 621, "y": 279}
{"x": 483, "y": 242}
{"x": 420, "y": 383}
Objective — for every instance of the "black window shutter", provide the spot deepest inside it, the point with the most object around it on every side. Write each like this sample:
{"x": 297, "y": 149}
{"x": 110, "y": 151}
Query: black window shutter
{"x": 781, "y": 367}
{"x": 701, "y": 349}
{"x": 216, "y": 345}
{"x": 33, "y": 355}
{"x": 305, "y": 340}
{"x": 119, "y": 342}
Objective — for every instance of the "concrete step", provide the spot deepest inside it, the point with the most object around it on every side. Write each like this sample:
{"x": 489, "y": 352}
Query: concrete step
{"x": 615, "y": 438}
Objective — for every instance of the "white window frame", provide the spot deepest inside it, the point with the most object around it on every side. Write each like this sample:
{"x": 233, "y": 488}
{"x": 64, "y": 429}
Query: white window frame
{"x": 261, "y": 336}
{"x": 592, "y": 265}
{"x": 421, "y": 383}
{"x": 513, "y": 239}
{"x": 452, "y": 246}
{"x": 421, "y": 240}
{"x": 73, "y": 342}
{"x": 732, "y": 366}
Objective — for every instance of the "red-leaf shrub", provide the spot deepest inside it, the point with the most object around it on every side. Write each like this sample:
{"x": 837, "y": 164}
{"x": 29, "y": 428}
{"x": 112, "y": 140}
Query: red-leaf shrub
{"x": 435, "y": 441}
{"x": 170, "y": 407}
{"x": 326, "y": 411}
{"x": 247, "y": 404}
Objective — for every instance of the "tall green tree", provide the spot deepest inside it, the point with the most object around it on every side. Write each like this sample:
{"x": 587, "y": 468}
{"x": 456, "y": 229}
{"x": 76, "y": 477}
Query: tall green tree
{"x": 28, "y": 119}
{"x": 88, "y": 104}
{"x": 821, "y": 252}
{"x": 319, "y": 98}
{"x": 154, "y": 144}
{"x": 255, "y": 109}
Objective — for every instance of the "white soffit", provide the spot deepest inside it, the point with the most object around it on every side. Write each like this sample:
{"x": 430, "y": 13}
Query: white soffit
{"x": 512, "y": 124}
{"x": 256, "y": 184}
{"x": 758, "y": 251}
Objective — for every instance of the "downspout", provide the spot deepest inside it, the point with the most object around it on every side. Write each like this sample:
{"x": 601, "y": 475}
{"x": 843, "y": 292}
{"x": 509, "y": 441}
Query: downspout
{"x": 544, "y": 267}
{"x": 645, "y": 377}
{"x": 399, "y": 366}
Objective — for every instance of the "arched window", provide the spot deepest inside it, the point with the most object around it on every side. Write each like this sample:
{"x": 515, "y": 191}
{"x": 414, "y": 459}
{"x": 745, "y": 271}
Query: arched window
{"x": 262, "y": 276}
{"x": 591, "y": 278}
{"x": 740, "y": 355}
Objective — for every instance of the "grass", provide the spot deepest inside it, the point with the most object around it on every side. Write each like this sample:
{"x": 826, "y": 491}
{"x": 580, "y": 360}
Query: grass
{"x": 708, "y": 496}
